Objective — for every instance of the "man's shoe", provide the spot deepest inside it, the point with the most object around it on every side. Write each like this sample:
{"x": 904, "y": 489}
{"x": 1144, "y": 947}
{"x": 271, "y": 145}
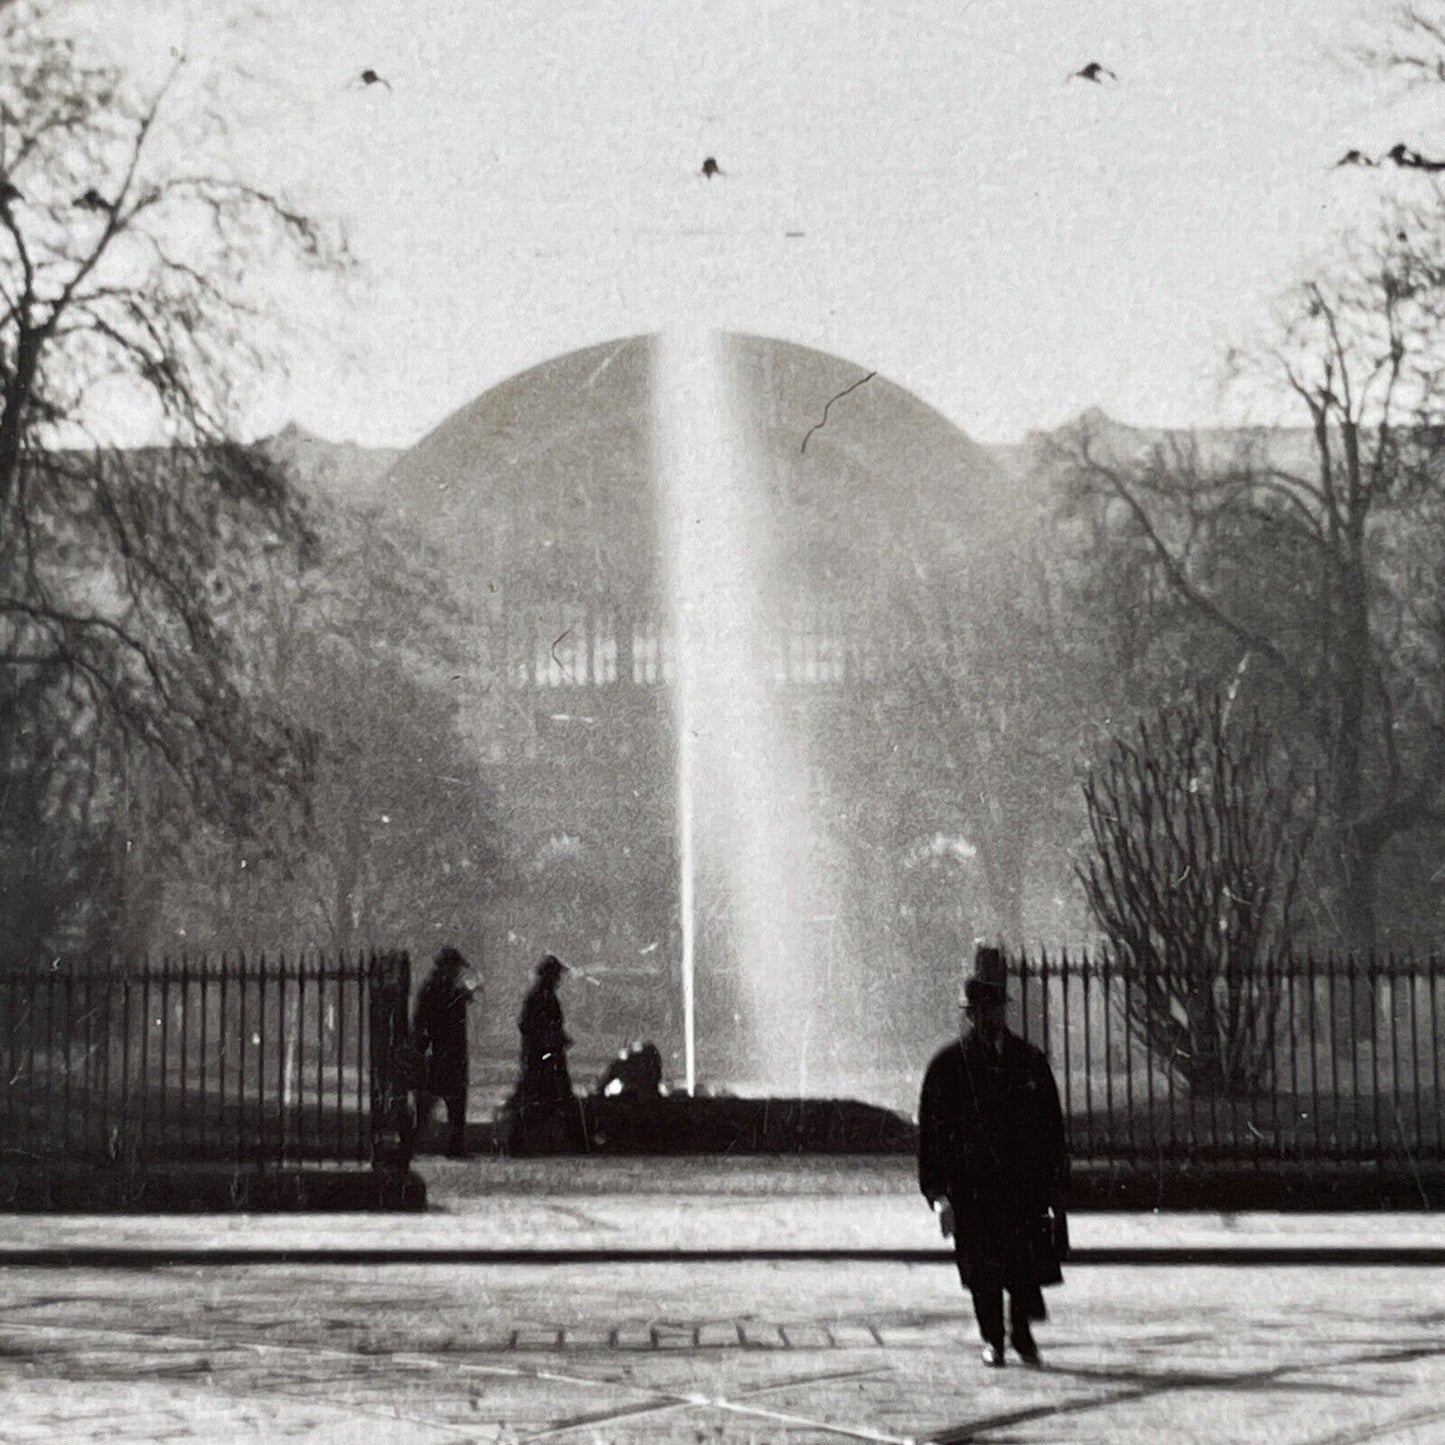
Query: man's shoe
{"x": 1026, "y": 1349}
{"x": 993, "y": 1356}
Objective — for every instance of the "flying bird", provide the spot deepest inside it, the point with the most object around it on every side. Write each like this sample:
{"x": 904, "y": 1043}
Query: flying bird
{"x": 370, "y": 77}
{"x": 1355, "y": 158}
{"x": 1095, "y": 72}
{"x": 710, "y": 168}
{"x": 92, "y": 200}
{"x": 1411, "y": 160}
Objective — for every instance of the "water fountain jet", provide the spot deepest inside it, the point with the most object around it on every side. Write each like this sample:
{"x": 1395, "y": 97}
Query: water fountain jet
{"x": 746, "y": 834}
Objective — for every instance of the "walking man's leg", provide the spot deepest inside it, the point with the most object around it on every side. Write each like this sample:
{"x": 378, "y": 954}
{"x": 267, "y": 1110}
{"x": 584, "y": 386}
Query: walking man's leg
{"x": 1022, "y": 1307}
{"x": 985, "y": 1285}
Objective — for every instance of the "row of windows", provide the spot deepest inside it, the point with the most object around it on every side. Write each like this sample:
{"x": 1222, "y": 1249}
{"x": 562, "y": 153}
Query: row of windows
{"x": 570, "y": 647}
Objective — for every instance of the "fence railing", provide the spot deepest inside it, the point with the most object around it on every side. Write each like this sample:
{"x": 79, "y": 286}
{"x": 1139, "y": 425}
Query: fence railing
{"x": 258, "y": 1060}
{"x": 1304, "y": 1058}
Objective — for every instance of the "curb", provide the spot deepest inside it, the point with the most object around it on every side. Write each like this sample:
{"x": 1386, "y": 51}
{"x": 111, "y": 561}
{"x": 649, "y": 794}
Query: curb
{"x": 144, "y": 1257}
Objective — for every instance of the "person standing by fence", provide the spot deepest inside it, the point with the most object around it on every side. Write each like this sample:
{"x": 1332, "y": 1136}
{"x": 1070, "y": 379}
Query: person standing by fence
{"x": 439, "y": 1034}
{"x": 992, "y": 1163}
{"x": 544, "y": 1110}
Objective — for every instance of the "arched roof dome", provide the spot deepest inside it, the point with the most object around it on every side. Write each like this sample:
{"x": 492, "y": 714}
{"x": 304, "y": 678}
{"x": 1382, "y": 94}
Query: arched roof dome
{"x": 550, "y": 471}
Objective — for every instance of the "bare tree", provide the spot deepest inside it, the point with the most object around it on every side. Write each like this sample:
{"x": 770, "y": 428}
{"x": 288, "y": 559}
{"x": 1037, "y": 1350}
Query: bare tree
{"x": 126, "y": 297}
{"x": 1192, "y": 878}
{"x": 1278, "y": 544}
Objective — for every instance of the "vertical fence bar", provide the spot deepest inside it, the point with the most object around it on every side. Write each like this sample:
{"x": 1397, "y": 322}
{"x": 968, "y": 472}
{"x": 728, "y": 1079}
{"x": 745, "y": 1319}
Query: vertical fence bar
{"x": 1085, "y": 968}
{"x": 339, "y": 1040}
{"x": 204, "y": 989}
{"x": 1315, "y": 1056}
{"x": 1264, "y": 1004}
{"x": 187, "y": 1131}
{"x": 1438, "y": 1103}
{"x": 68, "y": 989}
{"x": 1106, "y": 988}
{"x": 87, "y": 1056}
{"x": 1068, "y": 1071}
{"x": 1214, "y": 1086}
{"x": 1129, "y": 1069}
{"x": 1394, "y": 1056}
{"x": 12, "y": 1053}
{"x": 107, "y": 1044}
{"x": 125, "y": 1081}
{"x": 1277, "y": 1080}
{"x": 1293, "y": 1058}
{"x": 32, "y": 1028}
{"x": 319, "y": 1125}
{"x": 1336, "y": 967}
{"x": 241, "y": 1110}
{"x": 97, "y": 1038}
{"x": 1229, "y": 1075}
{"x": 282, "y": 1046}
{"x": 262, "y": 1131}
{"x": 1154, "y": 1132}
{"x": 296, "y": 1069}
{"x": 32, "y": 1022}
{"x": 143, "y": 1123}
{"x": 1415, "y": 1060}
{"x": 1355, "y": 1103}
{"x": 12, "y": 1028}
{"x": 1023, "y": 977}
{"x": 49, "y": 1130}
{"x": 1373, "y": 979}
{"x": 163, "y": 1112}
{"x": 1046, "y": 1042}
{"x": 363, "y": 1085}
{"x": 223, "y": 1128}
{"x": 97, "y": 1003}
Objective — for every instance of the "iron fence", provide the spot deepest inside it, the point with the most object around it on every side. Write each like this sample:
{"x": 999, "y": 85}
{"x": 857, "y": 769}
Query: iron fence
{"x": 1303, "y": 1058}
{"x": 260, "y": 1060}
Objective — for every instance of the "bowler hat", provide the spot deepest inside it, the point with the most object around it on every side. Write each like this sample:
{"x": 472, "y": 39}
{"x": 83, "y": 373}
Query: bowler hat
{"x": 988, "y": 987}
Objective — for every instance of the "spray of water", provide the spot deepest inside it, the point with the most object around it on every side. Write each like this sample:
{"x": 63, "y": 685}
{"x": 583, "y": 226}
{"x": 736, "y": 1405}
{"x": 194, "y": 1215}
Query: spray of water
{"x": 745, "y": 831}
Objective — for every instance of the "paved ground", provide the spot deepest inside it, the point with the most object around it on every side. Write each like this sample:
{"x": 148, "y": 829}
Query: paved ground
{"x": 713, "y": 1353}
{"x": 799, "y": 1350}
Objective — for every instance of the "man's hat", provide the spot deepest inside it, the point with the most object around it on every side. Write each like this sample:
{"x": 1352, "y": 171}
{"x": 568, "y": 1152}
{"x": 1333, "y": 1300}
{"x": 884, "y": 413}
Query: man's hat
{"x": 551, "y": 966}
{"x": 988, "y": 987}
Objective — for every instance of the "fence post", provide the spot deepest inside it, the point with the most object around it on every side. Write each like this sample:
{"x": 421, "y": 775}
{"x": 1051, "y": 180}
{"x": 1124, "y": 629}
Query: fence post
{"x": 389, "y": 989}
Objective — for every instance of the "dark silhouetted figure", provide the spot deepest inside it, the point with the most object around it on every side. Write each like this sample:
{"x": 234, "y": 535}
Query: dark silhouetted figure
{"x": 439, "y": 1034}
{"x": 636, "y": 1073}
{"x": 991, "y": 1163}
{"x": 92, "y": 200}
{"x": 544, "y": 1110}
{"x": 370, "y": 77}
{"x": 9, "y": 192}
{"x": 710, "y": 168}
{"x": 1094, "y": 72}
{"x": 1355, "y": 158}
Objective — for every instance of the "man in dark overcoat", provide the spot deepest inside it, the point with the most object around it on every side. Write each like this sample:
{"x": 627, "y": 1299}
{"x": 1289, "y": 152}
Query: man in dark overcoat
{"x": 992, "y": 1165}
{"x": 439, "y": 1033}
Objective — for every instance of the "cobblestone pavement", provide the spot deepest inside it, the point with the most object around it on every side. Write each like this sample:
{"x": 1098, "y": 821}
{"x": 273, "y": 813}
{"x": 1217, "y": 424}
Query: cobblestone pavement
{"x": 799, "y": 1352}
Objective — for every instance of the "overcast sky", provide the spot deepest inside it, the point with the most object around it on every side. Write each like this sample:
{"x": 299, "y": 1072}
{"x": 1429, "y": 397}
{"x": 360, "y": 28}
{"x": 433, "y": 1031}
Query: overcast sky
{"x": 1010, "y": 245}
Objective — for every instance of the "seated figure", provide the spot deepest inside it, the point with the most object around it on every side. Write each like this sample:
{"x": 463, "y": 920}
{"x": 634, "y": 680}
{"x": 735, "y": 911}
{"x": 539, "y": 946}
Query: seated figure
{"x": 636, "y": 1072}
